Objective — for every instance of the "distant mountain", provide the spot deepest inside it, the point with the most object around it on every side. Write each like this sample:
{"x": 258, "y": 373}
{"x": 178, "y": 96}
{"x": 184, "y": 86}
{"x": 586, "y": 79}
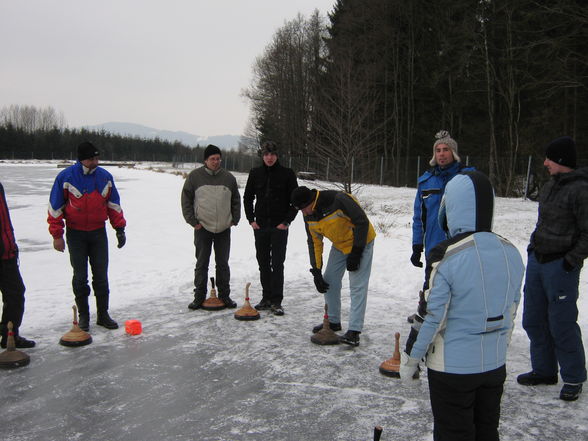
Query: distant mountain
{"x": 130, "y": 129}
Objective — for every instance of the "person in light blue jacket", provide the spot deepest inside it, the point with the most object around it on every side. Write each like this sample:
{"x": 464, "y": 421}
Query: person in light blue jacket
{"x": 466, "y": 314}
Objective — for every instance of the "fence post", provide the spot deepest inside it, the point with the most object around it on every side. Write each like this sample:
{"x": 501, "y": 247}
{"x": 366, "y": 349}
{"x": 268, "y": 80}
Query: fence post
{"x": 467, "y": 160}
{"x": 418, "y": 169}
{"x": 381, "y": 169}
{"x": 528, "y": 178}
{"x": 352, "y": 165}
{"x": 328, "y": 163}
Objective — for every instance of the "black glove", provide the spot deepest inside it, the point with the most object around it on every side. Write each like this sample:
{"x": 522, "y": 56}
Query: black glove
{"x": 354, "y": 258}
{"x": 319, "y": 282}
{"x": 567, "y": 266}
{"x": 121, "y": 237}
{"x": 417, "y": 249}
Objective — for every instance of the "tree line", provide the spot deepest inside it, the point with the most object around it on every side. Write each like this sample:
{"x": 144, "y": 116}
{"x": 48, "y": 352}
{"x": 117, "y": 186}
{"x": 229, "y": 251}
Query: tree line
{"x": 378, "y": 78}
{"x": 28, "y": 132}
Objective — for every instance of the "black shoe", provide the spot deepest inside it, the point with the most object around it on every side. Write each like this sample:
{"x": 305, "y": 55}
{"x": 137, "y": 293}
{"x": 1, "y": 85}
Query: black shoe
{"x": 196, "y": 304}
{"x": 334, "y": 327}
{"x": 229, "y": 303}
{"x": 570, "y": 392}
{"x": 19, "y": 342}
{"x": 264, "y": 305}
{"x": 350, "y": 338}
{"x": 105, "y": 320}
{"x": 277, "y": 310}
{"x": 84, "y": 322}
{"x": 532, "y": 379}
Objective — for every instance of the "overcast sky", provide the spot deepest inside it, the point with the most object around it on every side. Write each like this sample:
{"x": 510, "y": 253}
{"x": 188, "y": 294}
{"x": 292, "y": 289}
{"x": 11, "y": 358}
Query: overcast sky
{"x": 167, "y": 64}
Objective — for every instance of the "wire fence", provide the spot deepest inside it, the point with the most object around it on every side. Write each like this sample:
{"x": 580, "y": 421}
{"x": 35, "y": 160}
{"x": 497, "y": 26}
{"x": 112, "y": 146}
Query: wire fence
{"x": 527, "y": 178}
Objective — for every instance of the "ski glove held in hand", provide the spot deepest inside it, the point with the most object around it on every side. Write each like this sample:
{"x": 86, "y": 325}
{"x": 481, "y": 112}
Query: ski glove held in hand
{"x": 319, "y": 282}
{"x": 408, "y": 367}
{"x": 567, "y": 266}
{"x": 415, "y": 258}
{"x": 121, "y": 237}
{"x": 354, "y": 258}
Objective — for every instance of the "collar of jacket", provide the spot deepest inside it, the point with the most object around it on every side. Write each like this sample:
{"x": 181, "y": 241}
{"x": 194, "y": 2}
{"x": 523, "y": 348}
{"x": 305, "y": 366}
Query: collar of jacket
{"x": 453, "y": 167}
{"x": 86, "y": 170}
{"x": 212, "y": 172}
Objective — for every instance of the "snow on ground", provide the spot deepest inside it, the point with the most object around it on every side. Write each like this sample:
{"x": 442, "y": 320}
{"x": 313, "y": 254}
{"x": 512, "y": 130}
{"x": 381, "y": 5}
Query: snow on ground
{"x": 199, "y": 375}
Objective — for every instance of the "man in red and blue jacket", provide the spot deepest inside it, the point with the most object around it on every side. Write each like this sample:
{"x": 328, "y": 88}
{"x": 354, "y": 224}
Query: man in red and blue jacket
{"x": 11, "y": 284}
{"x": 83, "y": 197}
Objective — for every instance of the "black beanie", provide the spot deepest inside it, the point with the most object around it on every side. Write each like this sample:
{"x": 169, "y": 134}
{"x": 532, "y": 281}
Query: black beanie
{"x": 211, "y": 150}
{"x": 562, "y": 151}
{"x": 301, "y": 197}
{"x": 86, "y": 150}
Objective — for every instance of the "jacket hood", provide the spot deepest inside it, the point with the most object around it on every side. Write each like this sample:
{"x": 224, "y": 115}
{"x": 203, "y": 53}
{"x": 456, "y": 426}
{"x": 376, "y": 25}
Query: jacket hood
{"x": 467, "y": 204}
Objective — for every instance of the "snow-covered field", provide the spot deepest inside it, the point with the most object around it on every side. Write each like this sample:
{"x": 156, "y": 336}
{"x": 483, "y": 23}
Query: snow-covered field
{"x": 199, "y": 375}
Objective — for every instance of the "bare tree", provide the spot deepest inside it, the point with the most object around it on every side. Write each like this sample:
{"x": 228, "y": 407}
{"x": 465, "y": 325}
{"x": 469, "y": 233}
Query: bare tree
{"x": 31, "y": 118}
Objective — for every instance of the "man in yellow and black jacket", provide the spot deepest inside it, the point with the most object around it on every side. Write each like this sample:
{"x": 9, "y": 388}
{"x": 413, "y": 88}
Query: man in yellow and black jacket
{"x": 338, "y": 217}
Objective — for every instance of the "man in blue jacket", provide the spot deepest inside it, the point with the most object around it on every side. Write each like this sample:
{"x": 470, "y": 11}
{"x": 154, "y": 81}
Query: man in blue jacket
{"x": 466, "y": 314}
{"x": 82, "y": 199}
{"x": 426, "y": 231}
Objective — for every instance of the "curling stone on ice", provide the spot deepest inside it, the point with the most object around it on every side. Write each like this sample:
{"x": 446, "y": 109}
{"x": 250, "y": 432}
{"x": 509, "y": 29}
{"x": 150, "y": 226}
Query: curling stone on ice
{"x": 75, "y": 336}
{"x": 391, "y": 367}
{"x": 11, "y": 357}
{"x": 326, "y": 336}
{"x": 247, "y": 312}
{"x": 213, "y": 303}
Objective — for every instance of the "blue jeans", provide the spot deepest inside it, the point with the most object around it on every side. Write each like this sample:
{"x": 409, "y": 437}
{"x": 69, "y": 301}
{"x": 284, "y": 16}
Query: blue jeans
{"x": 358, "y": 286}
{"x": 550, "y": 317}
{"x": 87, "y": 246}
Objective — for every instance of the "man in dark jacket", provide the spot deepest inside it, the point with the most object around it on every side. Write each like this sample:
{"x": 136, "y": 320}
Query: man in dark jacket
{"x": 557, "y": 251}
{"x": 270, "y": 186}
{"x": 11, "y": 284}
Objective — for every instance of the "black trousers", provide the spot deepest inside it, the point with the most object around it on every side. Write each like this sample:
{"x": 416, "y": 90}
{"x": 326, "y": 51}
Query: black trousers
{"x": 92, "y": 247}
{"x": 270, "y": 247}
{"x": 13, "y": 289}
{"x": 204, "y": 241}
{"x": 466, "y": 407}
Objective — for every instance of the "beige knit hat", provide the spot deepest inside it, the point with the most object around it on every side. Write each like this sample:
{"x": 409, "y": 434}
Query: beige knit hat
{"x": 443, "y": 137}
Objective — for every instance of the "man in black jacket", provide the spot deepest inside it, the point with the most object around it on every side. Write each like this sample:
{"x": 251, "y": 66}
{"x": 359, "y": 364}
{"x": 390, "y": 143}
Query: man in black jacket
{"x": 270, "y": 185}
{"x": 557, "y": 251}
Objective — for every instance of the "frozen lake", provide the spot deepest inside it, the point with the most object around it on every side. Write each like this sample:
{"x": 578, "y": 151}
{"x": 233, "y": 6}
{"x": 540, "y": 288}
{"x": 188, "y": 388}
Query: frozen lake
{"x": 199, "y": 375}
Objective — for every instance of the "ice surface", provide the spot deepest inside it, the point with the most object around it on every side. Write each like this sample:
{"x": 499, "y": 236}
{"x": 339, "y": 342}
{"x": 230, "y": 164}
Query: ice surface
{"x": 202, "y": 375}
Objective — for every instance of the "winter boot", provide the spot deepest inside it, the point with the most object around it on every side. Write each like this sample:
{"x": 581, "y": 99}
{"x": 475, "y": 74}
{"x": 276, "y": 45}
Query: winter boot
{"x": 350, "y": 338}
{"x": 334, "y": 327}
{"x": 19, "y": 342}
{"x": 534, "y": 379}
{"x": 103, "y": 317}
{"x": 570, "y": 392}
{"x": 197, "y": 302}
{"x": 229, "y": 303}
{"x": 83, "y": 313}
{"x": 277, "y": 310}
{"x": 264, "y": 305}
